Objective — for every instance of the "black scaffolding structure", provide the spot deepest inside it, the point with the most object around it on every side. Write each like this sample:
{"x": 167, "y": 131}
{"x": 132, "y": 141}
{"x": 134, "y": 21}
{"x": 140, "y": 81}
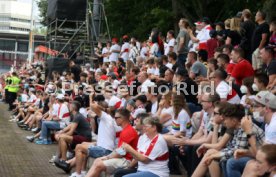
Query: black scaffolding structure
{"x": 79, "y": 35}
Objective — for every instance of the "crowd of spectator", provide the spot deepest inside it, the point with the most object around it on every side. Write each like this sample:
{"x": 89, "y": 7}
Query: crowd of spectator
{"x": 203, "y": 99}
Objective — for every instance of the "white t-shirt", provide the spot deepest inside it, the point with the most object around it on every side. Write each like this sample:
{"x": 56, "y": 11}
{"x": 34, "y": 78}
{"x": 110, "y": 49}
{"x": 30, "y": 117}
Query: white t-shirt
{"x": 24, "y": 97}
{"x": 168, "y": 110}
{"x": 154, "y": 50}
{"x": 169, "y": 65}
{"x": 37, "y": 101}
{"x": 114, "y": 56}
{"x": 150, "y": 70}
{"x": 63, "y": 115}
{"x": 84, "y": 112}
{"x": 154, "y": 108}
{"x": 157, "y": 151}
{"x": 204, "y": 34}
{"x": 182, "y": 124}
{"x": 125, "y": 51}
{"x": 270, "y": 131}
{"x": 105, "y": 51}
{"x": 171, "y": 43}
{"x": 54, "y": 111}
{"x": 145, "y": 85}
{"x": 107, "y": 132}
{"x": 144, "y": 52}
{"x": 223, "y": 89}
{"x": 133, "y": 52}
{"x": 32, "y": 99}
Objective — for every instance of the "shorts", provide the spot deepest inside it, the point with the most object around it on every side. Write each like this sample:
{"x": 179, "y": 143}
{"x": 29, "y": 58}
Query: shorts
{"x": 97, "y": 151}
{"x": 78, "y": 139}
{"x": 113, "y": 164}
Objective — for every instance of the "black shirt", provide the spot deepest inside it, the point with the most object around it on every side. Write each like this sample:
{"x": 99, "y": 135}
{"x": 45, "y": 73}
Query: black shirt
{"x": 257, "y": 35}
{"x": 235, "y": 37}
{"x": 270, "y": 69}
{"x": 247, "y": 28}
{"x": 83, "y": 127}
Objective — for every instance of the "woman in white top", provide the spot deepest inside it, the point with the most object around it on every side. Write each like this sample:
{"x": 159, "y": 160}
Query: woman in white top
{"x": 152, "y": 151}
{"x": 165, "y": 111}
{"x": 181, "y": 123}
{"x": 247, "y": 99}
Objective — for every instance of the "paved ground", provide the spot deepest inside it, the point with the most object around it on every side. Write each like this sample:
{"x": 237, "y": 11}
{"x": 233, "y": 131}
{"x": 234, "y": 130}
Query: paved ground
{"x": 18, "y": 157}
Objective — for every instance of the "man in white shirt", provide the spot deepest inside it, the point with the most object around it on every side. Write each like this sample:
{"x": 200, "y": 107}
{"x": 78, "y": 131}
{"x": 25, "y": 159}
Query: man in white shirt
{"x": 125, "y": 48}
{"x": 225, "y": 91}
{"x": 114, "y": 50}
{"x": 266, "y": 107}
{"x": 203, "y": 35}
{"x": 145, "y": 82}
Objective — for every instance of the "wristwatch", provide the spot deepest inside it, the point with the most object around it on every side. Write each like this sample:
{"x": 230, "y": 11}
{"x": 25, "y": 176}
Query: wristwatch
{"x": 249, "y": 135}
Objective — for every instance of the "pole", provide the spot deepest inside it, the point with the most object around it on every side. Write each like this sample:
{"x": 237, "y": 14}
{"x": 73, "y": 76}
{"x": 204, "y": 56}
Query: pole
{"x": 30, "y": 54}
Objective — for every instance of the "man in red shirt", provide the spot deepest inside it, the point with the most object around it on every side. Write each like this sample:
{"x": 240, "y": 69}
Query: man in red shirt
{"x": 118, "y": 158}
{"x": 242, "y": 68}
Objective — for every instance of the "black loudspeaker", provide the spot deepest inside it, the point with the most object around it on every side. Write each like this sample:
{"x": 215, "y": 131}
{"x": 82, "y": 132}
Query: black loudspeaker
{"x": 56, "y": 64}
{"x": 66, "y": 9}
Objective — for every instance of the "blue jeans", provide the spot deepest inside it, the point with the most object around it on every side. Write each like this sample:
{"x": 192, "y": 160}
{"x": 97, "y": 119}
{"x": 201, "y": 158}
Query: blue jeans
{"x": 142, "y": 173}
{"x": 53, "y": 125}
{"x": 235, "y": 167}
{"x": 97, "y": 151}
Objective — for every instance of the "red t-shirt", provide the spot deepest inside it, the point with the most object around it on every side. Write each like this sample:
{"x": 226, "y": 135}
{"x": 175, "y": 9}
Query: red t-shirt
{"x": 212, "y": 44}
{"x": 242, "y": 70}
{"x": 128, "y": 135}
{"x": 230, "y": 68}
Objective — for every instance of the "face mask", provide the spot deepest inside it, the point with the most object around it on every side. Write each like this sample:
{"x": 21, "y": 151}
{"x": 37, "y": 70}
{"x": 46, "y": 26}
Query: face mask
{"x": 255, "y": 88}
{"x": 243, "y": 89}
{"x": 258, "y": 117}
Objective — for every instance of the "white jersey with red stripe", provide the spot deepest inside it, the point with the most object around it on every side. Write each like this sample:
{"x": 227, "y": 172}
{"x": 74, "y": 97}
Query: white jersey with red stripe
{"x": 225, "y": 91}
{"x": 63, "y": 115}
{"x": 157, "y": 151}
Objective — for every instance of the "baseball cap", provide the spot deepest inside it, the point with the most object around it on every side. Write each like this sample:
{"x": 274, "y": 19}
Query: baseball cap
{"x": 197, "y": 23}
{"x": 60, "y": 96}
{"x": 125, "y": 37}
{"x": 266, "y": 98}
{"x": 115, "y": 40}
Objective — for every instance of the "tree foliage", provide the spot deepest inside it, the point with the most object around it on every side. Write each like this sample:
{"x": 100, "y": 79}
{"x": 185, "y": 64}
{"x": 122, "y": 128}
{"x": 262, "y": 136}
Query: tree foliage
{"x": 138, "y": 17}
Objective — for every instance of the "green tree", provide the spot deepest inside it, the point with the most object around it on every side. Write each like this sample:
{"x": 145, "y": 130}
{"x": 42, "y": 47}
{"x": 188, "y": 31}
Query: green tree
{"x": 42, "y": 6}
{"x": 138, "y": 17}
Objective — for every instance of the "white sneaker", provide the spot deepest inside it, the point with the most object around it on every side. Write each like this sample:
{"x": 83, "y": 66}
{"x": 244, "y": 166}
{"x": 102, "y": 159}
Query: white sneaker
{"x": 75, "y": 174}
{"x": 12, "y": 120}
{"x": 34, "y": 129}
{"x": 52, "y": 160}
